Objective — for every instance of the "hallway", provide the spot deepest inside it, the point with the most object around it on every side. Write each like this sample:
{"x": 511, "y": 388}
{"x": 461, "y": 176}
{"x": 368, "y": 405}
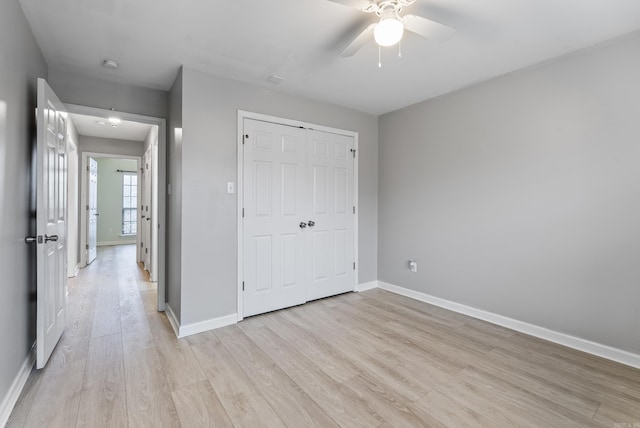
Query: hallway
{"x": 106, "y": 368}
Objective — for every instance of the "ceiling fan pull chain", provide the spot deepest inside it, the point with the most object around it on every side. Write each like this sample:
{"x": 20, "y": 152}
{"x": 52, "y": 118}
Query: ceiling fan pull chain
{"x": 379, "y": 57}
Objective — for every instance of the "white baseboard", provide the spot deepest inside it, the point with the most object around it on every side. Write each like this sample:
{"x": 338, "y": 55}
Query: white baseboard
{"x": 578, "y": 343}
{"x": 366, "y": 286}
{"x": 175, "y": 325}
{"x": 74, "y": 272}
{"x": 198, "y": 327}
{"x": 15, "y": 390}
{"x": 109, "y": 243}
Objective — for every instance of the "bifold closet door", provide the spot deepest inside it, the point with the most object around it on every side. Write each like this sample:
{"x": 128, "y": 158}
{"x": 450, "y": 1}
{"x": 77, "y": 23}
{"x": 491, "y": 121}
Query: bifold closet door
{"x": 274, "y": 205}
{"x": 298, "y": 219}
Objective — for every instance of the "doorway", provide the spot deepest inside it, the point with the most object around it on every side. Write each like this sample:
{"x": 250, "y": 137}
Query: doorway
{"x": 136, "y": 213}
{"x": 111, "y": 194}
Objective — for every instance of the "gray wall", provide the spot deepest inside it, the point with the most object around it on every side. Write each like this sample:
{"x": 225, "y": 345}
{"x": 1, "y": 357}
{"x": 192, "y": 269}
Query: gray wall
{"x": 174, "y": 203}
{"x": 74, "y": 88}
{"x": 521, "y": 196}
{"x": 209, "y": 243}
{"x": 110, "y": 146}
{"x": 110, "y": 199}
{"x": 21, "y": 63}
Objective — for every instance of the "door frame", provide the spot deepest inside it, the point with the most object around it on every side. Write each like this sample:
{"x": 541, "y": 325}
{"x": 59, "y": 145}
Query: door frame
{"x": 242, "y": 115}
{"x": 84, "y": 221}
{"x": 162, "y": 182}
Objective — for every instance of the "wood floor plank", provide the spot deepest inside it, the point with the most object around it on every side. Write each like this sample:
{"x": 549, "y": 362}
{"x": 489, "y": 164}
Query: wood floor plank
{"x": 540, "y": 409}
{"x": 180, "y": 364}
{"x": 409, "y": 341}
{"x": 618, "y": 415}
{"x": 367, "y": 352}
{"x": 106, "y": 320}
{"x": 478, "y": 399}
{"x": 149, "y": 401}
{"x": 326, "y": 357}
{"x": 198, "y": 406}
{"x": 289, "y": 401}
{"x": 136, "y": 333}
{"x": 74, "y": 343}
{"x": 26, "y": 400}
{"x": 390, "y": 407}
{"x": 149, "y": 300}
{"x": 103, "y": 397}
{"x": 540, "y": 383}
{"x": 438, "y": 410}
{"x": 242, "y": 401}
{"x": 344, "y": 406}
{"x": 58, "y": 397}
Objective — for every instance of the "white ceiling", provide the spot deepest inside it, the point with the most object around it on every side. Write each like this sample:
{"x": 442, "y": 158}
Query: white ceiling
{"x": 300, "y": 40}
{"x": 92, "y": 126}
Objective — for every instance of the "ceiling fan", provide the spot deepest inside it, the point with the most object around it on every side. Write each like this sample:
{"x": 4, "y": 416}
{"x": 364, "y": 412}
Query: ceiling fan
{"x": 389, "y": 30}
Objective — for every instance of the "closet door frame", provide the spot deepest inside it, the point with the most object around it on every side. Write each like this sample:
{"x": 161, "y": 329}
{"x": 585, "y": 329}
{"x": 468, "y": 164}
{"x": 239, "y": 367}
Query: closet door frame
{"x": 242, "y": 115}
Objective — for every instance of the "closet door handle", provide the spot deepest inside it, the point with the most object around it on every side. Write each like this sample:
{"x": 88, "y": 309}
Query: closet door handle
{"x": 303, "y": 225}
{"x": 311, "y": 223}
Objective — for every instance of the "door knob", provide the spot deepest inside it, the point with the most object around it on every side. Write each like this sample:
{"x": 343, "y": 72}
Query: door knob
{"x": 48, "y": 238}
{"x": 303, "y": 225}
{"x": 311, "y": 223}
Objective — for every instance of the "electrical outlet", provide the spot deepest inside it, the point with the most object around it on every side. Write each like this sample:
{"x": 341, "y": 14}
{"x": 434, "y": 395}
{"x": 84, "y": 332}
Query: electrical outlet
{"x": 413, "y": 265}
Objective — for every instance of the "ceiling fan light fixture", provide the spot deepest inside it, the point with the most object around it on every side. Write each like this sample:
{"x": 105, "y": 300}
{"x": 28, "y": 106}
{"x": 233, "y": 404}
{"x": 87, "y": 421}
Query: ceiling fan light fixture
{"x": 389, "y": 31}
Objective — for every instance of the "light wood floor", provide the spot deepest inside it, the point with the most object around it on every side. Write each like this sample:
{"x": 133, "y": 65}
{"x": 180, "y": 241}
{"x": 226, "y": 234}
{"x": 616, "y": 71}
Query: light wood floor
{"x": 371, "y": 359}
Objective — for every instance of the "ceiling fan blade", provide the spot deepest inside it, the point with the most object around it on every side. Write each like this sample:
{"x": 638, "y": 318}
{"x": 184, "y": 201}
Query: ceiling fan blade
{"x": 427, "y": 28}
{"x": 359, "y": 41}
{"x": 356, "y": 4}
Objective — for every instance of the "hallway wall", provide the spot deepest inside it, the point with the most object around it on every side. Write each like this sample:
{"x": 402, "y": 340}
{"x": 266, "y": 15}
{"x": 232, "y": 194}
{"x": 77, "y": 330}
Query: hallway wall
{"x": 21, "y": 63}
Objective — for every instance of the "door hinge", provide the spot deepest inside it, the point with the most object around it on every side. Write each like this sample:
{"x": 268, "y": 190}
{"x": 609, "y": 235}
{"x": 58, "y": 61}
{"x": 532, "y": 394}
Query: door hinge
{"x": 146, "y": 251}
{"x": 87, "y": 246}
{"x": 242, "y": 285}
{"x": 87, "y": 168}
{"x": 141, "y": 244}
{"x": 354, "y": 265}
{"x": 354, "y": 209}
{"x": 87, "y": 207}
{"x": 243, "y": 213}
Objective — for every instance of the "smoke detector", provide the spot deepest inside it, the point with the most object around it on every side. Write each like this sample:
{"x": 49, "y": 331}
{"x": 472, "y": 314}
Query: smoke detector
{"x": 111, "y": 64}
{"x": 275, "y": 79}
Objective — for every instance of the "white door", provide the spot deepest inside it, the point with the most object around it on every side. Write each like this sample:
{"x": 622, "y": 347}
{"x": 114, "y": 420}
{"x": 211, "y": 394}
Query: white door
{"x": 274, "y": 207}
{"x": 51, "y": 221}
{"x": 145, "y": 210}
{"x": 92, "y": 208}
{"x": 298, "y": 216}
{"x": 331, "y": 219}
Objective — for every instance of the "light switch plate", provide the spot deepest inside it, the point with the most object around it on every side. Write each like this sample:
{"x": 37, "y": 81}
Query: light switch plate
{"x": 231, "y": 187}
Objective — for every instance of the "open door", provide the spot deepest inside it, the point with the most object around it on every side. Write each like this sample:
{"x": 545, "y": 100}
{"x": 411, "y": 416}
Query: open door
{"x": 92, "y": 211}
{"x": 51, "y": 217}
{"x": 145, "y": 210}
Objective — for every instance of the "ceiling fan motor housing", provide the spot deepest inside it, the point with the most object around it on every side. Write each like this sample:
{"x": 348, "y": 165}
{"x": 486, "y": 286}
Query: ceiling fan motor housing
{"x": 383, "y": 7}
